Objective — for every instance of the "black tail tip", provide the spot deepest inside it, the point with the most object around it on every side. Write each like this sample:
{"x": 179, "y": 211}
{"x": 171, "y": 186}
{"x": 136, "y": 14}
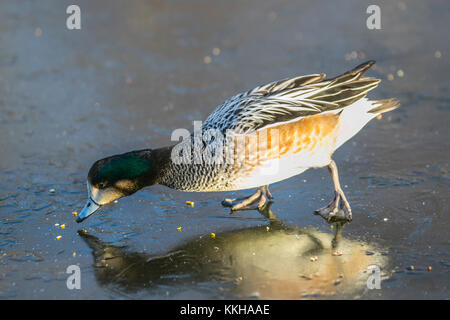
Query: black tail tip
{"x": 363, "y": 66}
{"x": 385, "y": 105}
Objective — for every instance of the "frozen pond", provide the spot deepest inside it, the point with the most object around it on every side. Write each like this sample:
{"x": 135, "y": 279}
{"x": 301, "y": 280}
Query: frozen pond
{"x": 137, "y": 70}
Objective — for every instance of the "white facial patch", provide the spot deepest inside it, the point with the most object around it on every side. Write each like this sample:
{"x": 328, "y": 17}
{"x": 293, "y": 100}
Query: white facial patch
{"x": 103, "y": 196}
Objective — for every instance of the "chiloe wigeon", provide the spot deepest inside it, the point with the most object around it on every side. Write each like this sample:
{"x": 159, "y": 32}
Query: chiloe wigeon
{"x": 254, "y": 139}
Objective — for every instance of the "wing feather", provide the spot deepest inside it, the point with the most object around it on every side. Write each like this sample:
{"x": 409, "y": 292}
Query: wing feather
{"x": 290, "y": 99}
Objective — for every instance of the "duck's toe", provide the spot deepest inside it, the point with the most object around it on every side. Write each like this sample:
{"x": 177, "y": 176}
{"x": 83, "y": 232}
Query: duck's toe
{"x": 332, "y": 216}
{"x": 336, "y": 211}
{"x": 256, "y": 201}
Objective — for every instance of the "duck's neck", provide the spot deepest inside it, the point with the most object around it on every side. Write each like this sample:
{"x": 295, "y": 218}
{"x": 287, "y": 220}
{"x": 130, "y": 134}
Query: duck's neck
{"x": 158, "y": 160}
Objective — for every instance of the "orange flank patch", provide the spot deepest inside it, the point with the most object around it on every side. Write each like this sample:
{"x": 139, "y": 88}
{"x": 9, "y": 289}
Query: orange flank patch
{"x": 306, "y": 137}
{"x": 314, "y": 133}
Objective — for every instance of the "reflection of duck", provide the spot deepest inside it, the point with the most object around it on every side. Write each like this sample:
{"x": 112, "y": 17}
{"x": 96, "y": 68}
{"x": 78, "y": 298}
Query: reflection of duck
{"x": 274, "y": 263}
{"x": 272, "y": 132}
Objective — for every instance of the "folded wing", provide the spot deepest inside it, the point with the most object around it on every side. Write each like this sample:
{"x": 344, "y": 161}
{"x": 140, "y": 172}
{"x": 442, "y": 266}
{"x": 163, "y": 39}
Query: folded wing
{"x": 289, "y": 100}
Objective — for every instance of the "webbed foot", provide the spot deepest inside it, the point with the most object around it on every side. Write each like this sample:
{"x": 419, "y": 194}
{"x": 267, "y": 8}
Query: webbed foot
{"x": 337, "y": 211}
{"x": 257, "y": 201}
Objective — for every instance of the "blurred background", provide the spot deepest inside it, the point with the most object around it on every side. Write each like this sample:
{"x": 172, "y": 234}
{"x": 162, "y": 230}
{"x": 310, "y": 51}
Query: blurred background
{"x": 137, "y": 70}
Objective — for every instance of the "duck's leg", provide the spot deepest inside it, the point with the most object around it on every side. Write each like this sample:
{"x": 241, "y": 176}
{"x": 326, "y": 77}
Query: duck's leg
{"x": 256, "y": 201}
{"x": 339, "y": 209}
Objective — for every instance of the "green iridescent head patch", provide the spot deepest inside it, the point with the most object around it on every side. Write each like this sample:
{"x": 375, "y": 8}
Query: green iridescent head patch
{"x": 127, "y": 166}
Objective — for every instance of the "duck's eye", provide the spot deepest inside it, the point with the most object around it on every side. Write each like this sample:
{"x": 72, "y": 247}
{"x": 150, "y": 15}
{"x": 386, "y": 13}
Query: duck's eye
{"x": 101, "y": 185}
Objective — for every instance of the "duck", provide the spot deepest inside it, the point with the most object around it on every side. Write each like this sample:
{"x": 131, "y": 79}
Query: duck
{"x": 253, "y": 139}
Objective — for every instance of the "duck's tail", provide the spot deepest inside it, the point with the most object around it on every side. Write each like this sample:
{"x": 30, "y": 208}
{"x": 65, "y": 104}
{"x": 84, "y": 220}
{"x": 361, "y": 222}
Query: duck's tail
{"x": 384, "y": 105}
{"x": 355, "y": 117}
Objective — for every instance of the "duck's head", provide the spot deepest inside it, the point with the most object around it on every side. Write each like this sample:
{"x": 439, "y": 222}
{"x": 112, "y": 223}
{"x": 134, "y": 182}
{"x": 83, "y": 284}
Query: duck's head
{"x": 115, "y": 177}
